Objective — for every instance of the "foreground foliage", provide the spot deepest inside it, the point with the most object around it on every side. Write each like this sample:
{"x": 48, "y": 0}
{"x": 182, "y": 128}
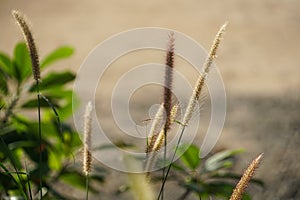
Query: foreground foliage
{"x": 20, "y": 145}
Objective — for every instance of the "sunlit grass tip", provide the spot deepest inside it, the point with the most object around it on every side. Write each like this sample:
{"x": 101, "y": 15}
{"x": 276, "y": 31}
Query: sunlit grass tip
{"x": 24, "y": 25}
{"x": 155, "y": 127}
{"x": 198, "y": 88}
{"x": 244, "y": 181}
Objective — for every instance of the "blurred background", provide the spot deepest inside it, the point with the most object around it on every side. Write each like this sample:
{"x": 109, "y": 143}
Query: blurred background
{"x": 258, "y": 59}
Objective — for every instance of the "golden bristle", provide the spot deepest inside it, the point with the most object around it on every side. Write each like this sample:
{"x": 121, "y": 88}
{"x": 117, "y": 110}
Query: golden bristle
{"x": 244, "y": 181}
{"x": 201, "y": 80}
{"x": 87, "y": 157}
{"x": 30, "y": 43}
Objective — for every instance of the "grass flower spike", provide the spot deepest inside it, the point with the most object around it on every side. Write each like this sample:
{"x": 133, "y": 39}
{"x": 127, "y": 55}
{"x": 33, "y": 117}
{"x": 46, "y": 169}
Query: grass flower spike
{"x": 169, "y": 80}
{"x": 87, "y": 157}
{"x": 201, "y": 80}
{"x": 155, "y": 127}
{"x": 244, "y": 181}
{"x": 20, "y": 19}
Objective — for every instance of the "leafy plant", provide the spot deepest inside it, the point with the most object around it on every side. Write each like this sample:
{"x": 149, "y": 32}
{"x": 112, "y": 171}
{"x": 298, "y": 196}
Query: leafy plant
{"x": 210, "y": 177}
{"x": 19, "y": 134}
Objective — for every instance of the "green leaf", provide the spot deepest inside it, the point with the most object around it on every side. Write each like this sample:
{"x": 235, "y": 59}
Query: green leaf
{"x": 72, "y": 102}
{"x": 21, "y": 144}
{"x": 220, "y": 160}
{"x": 7, "y": 175}
{"x": 75, "y": 179}
{"x": 190, "y": 156}
{"x": 34, "y": 102}
{"x": 213, "y": 189}
{"x": 3, "y": 83}
{"x": 55, "y": 162}
{"x": 21, "y": 62}
{"x": 178, "y": 168}
{"x": 6, "y": 64}
{"x": 219, "y": 189}
{"x": 55, "y": 79}
{"x": 97, "y": 177}
{"x": 228, "y": 175}
{"x": 58, "y": 54}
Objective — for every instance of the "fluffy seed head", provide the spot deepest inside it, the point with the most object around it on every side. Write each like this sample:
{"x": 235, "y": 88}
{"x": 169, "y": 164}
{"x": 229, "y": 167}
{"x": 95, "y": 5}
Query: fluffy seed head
{"x": 156, "y": 139}
{"x": 169, "y": 80}
{"x": 244, "y": 181}
{"x": 173, "y": 113}
{"x": 214, "y": 48}
{"x": 201, "y": 80}
{"x": 87, "y": 157}
{"x": 157, "y": 120}
{"x": 155, "y": 144}
{"x": 21, "y": 21}
{"x": 159, "y": 141}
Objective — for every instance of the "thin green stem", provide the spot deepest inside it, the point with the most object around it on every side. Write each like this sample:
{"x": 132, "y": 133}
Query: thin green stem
{"x": 170, "y": 165}
{"x": 87, "y": 177}
{"x": 165, "y": 161}
{"x": 40, "y": 138}
{"x": 12, "y": 160}
{"x": 28, "y": 182}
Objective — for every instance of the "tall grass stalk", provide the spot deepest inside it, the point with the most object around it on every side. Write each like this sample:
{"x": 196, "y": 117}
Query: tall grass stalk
{"x": 168, "y": 93}
{"x": 194, "y": 98}
{"x": 87, "y": 157}
{"x": 23, "y": 24}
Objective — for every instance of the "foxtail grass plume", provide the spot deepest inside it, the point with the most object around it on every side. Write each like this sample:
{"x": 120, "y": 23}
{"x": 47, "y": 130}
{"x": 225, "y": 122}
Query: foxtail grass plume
{"x": 156, "y": 142}
{"x": 155, "y": 126}
{"x": 244, "y": 181}
{"x": 87, "y": 157}
{"x": 23, "y": 24}
{"x": 156, "y": 139}
{"x": 169, "y": 80}
{"x": 201, "y": 80}
{"x": 173, "y": 113}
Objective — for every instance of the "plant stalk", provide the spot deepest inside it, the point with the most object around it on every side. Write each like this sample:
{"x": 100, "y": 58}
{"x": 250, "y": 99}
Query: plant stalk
{"x": 40, "y": 138}
{"x": 170, "y": 165}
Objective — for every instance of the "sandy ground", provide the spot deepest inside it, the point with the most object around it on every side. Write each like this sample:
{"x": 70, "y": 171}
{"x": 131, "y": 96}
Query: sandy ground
{"x": 259, "y": 62}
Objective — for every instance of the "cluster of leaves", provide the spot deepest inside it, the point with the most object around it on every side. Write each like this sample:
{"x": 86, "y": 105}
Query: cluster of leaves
{"x": 19, "y": 139}
{"x": 209, "y": 177}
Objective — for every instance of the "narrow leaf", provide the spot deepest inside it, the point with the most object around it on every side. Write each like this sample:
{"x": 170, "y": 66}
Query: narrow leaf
{"x": 22, "y": 62}
{"x": 58, "y": 54}
{"x": 190, "y": 157}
